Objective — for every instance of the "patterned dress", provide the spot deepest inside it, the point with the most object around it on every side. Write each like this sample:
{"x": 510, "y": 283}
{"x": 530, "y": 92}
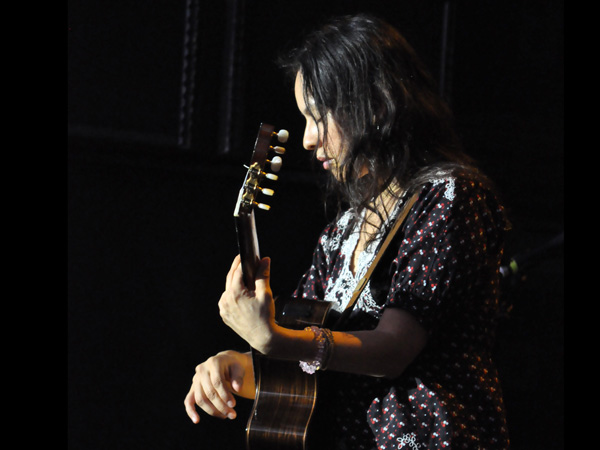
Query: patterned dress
{"x": 444, "y": 271}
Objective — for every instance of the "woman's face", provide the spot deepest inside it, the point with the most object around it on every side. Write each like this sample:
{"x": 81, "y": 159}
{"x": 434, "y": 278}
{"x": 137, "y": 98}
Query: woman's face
{"x": 314, "y": 134}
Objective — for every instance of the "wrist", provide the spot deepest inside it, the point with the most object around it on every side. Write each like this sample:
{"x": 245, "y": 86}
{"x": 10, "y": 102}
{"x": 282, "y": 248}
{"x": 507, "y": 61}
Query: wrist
{"x": 324, "y": 340}
{"x": 270, "y": 342}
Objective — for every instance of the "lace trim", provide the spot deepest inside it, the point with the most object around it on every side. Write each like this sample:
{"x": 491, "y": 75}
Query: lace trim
{"x": 450, "y": 186}
{"x": 340, "y": 290}
{"x": 330, "y": 246}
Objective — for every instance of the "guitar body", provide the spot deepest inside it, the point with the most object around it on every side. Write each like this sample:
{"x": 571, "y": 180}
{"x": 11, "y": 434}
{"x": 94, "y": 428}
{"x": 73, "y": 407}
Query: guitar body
{"x": 286, "y": 396}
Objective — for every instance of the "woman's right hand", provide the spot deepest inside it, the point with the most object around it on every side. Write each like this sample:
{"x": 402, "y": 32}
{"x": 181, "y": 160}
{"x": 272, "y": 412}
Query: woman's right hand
{"x": 216, "y": 381}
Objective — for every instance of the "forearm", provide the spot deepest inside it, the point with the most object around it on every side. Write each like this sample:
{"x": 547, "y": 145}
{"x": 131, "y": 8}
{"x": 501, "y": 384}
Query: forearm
{"x": 361, "y": 352}
{"x": 384, "y": 351}
{"x": 374, "y": 353}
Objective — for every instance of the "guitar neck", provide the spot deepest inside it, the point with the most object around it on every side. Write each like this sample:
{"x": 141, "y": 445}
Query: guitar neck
{"x": 248, "y": 247}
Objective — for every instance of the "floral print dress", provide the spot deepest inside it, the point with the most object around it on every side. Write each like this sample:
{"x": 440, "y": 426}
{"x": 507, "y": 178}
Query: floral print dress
{"x": 444, "y": 271}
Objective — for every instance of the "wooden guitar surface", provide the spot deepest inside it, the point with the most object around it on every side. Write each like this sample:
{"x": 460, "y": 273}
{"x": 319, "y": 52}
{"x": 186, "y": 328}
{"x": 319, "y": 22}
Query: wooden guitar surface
{"x": 285, "y": 395}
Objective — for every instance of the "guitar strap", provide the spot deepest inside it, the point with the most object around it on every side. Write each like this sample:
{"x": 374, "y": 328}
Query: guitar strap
{"x": 364, "y": 280}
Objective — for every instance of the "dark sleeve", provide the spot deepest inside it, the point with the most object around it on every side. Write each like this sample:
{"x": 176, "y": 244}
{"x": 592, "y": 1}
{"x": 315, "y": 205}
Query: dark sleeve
{"x": 452, "y": 243}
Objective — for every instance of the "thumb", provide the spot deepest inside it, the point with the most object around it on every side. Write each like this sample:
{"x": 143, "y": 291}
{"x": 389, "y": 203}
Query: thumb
{"x": 263, "y": 274}
{"x": 236, "y": 373}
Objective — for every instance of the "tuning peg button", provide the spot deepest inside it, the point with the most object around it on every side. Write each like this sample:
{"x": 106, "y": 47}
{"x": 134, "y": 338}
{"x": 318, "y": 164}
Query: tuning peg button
{"x": 279, "y": 150}
{"x": 263, "y": 206}
{"x": 271, "y": 176}
{"x": 283, "y": 136}
{"x": 276, "y": 164}
{"x": 269, "y": 192}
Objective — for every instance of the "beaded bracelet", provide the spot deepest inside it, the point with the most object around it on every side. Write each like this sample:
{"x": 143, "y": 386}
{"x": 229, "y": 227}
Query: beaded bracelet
{"x": 324, "y": 339}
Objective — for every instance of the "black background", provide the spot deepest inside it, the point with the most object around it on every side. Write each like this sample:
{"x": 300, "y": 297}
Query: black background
{"x": 153, "y": 181}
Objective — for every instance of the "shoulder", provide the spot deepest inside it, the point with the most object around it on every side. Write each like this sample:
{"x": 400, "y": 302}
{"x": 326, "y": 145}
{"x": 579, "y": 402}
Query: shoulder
{"x": 449, "y": 202}
{"x": 459, "y": 190}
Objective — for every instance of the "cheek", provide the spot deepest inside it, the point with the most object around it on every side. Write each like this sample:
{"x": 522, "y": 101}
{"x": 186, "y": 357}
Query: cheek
{"x": 334, "y": 141}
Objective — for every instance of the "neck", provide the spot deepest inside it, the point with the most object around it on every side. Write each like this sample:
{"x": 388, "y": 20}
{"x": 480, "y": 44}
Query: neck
{"x": 386, "y": 201}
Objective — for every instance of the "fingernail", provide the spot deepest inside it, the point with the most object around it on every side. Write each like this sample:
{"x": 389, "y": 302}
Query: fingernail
{"x": 231, "y": 415}
{"x": 230, "y": 403}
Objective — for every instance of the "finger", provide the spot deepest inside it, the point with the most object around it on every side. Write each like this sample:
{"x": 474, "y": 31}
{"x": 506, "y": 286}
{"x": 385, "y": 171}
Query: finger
{"x": 263, "y": 270}
{"x": 230, "y": 275}
{"x": 199, "y": 395}
{"x": 215, "y": 395}
{"x": 190, "y": 407}
{"x": 205, "y": 403}
{"x": 263, "y": 274}
{"x": 236, "y": 283}
{"x": 223, "y": 389}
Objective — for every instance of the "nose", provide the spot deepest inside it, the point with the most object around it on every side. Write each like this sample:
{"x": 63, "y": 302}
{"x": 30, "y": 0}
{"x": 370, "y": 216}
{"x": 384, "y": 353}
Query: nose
{"x": 311, "y": 136}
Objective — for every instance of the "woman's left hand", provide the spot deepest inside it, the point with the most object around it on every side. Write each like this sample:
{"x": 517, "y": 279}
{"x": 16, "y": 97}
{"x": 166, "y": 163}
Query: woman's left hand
{"x": 251, "y": 314}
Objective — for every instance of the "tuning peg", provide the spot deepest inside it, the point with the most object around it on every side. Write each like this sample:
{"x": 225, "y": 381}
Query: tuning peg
{"x": 276, "y": 164}
{"x": 279, "y": 150}
{"x": 271, "y": 176}
{"x": 263, "y": 206}
{"x": 269, "y": 192}
{"x": 282, "y": 136}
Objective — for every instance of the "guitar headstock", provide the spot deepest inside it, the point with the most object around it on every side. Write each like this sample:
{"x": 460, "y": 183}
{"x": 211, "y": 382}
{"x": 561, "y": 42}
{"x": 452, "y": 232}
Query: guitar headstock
{"x": 261, "y": 167}
{"x": 247, "y": 198}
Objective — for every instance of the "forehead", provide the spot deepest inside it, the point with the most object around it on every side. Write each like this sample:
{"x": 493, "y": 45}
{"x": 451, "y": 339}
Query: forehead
{"x": 299, "y": 89}
{"x": 300, "y": 98}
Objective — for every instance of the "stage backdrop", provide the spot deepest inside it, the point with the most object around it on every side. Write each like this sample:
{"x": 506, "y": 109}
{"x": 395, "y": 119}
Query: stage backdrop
{"x": 165, "y": 98}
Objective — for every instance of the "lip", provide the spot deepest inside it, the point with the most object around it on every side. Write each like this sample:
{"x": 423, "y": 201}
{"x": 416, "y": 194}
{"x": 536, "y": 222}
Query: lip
{"x": 327, "y": 163}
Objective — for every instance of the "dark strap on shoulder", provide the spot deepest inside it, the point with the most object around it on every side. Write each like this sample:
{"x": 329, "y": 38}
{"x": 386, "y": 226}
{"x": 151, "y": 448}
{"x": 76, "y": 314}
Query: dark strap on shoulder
{"x": 364, "y": 280}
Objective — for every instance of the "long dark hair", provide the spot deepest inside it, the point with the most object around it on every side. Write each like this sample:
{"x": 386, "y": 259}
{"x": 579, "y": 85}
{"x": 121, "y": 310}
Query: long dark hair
{"x": 362, "y": 72}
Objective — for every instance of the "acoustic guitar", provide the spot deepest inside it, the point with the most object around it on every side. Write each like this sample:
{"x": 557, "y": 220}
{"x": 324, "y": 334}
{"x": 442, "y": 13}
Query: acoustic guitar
{"x": 285, "y": 395}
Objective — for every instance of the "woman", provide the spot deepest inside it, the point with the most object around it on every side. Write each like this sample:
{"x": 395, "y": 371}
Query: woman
{"x": 412, "y": 366}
